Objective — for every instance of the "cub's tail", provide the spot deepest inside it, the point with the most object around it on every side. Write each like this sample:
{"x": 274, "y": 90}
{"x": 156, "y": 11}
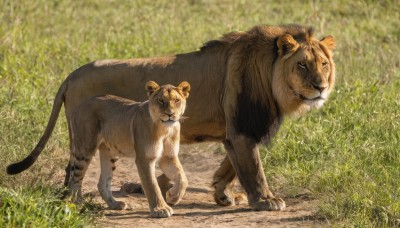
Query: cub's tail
{"x": 18, "y": 167}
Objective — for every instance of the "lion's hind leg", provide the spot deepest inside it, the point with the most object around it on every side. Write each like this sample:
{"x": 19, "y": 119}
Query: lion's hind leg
{"x": 223, "y": 182}
{"x": 107, "y": 164}
{"x": 172, "y": 168}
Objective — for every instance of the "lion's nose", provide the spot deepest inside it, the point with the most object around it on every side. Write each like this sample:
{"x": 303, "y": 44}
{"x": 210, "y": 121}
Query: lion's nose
{"x": 320, "y": 88}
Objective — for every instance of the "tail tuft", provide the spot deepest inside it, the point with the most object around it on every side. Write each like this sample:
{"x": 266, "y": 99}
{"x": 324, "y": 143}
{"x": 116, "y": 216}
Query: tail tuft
{"x": 20, "y": 166}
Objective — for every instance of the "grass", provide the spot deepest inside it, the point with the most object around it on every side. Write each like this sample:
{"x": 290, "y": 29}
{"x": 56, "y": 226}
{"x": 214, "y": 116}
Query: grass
{"x": 345, "y": 154}
{"x": 40, "y": 206}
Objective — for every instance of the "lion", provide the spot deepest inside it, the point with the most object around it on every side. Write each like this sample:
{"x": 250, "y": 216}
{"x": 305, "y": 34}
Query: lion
{"x": 244, "y": 84}
{"x": 116, "y": 127}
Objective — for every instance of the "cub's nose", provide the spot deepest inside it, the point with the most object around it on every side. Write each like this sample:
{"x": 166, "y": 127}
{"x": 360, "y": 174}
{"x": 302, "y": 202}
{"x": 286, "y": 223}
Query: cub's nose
{"x": 169, "y": 113}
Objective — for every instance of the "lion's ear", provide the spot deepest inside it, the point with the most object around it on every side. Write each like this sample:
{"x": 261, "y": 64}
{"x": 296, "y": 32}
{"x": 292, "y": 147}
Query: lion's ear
{"x": 151, "y": 87}
{"x": 329, "y": 42}
{"x": 286, "y": 44}
{"x": 185, "y": 88}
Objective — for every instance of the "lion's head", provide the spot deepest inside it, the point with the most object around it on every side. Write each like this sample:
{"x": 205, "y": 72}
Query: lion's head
{"x": 273, "y": 71}
{"x": 304, "y": 74}
{"x": 167, "y": 103}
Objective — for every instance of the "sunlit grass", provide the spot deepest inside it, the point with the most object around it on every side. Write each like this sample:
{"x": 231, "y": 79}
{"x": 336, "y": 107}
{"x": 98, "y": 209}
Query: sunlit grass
{"x": 41, "y": 207}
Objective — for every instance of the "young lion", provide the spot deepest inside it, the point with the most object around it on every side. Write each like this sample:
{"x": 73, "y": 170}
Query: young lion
{"x": 120, "y": 127}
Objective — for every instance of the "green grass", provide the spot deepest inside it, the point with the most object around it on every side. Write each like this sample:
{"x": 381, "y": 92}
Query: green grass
{"x": 40, "y": 207}
{"x": 345, "y": 154}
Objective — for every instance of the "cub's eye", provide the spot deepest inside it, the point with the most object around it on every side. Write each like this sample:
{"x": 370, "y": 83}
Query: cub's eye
{"x": 325, "y": 63}
{"x": 160, "y": 100}
{"x": 177, "y": 101}
{"x": 302, "y": 64}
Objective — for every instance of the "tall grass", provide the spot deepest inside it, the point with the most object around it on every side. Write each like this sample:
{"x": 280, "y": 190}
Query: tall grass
{"x": 345, "y": 154}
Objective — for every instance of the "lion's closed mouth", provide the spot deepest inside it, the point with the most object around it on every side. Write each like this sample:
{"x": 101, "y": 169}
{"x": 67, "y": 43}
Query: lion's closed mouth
{"x": 311, "y": 99}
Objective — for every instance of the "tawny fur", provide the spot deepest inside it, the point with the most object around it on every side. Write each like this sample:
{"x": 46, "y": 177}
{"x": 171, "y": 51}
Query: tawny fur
{"x": 118, "y": 127}
{"x": 243, "y": 85}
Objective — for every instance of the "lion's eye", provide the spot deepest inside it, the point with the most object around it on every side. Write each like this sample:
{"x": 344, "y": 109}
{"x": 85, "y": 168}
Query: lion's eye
{"x": 177, "y": 101}
{"x": 302, "y": 64}
{"x": 325, "y": 63}
{"x": 160, "y": 100}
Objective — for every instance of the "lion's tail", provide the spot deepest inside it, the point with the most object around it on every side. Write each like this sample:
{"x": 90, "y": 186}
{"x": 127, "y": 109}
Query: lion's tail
{"x": 31, "y": 158}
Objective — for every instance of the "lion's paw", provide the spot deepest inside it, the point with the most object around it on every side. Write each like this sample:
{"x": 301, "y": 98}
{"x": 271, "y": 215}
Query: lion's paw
{"x": 224, "y": 199}
{"x": 269, "y": 204}
{"x": 162, "y": 212}
{"x": 240, "y": 198}
{"x": 117, "y": 205}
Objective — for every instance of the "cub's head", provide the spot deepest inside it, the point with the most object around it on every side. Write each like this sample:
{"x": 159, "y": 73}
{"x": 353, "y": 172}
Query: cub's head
{"x": 167, "y": 103}
{"x": 304, "y": 73}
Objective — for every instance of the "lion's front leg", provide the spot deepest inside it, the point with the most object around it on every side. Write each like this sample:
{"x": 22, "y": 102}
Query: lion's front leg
{"x": 244, "y": 155}
{"x": 146, "y": 168}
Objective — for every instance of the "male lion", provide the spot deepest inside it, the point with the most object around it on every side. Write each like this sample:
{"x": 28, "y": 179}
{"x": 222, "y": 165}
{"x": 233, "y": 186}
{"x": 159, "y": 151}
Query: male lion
{"x": 243, "y": 85}
{"x": 116, "y": 127}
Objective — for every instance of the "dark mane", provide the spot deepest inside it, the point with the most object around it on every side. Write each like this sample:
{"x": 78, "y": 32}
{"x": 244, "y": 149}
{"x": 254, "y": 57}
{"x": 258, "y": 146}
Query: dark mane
{"x": 225, "y": 41}
{"x": 256, "y": 119}
{"x": 251, "y": 56}
{"x": 300, "y": 33}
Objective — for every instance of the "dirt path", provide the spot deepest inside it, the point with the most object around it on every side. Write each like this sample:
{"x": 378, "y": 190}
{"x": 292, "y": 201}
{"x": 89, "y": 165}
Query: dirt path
{"x": 197, "y": 209}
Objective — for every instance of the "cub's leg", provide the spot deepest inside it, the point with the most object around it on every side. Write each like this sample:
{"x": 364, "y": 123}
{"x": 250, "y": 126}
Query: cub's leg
{"x": 107, "y": 164}
{"x": 83, "y": 146}
{"x": 79, "y": 164}
{"x": 146, "y": 168}
{"x": 172, "y": 168}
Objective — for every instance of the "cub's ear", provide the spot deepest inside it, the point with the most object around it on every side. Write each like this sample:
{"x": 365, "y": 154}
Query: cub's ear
{"x": 329, "y": 42}
{"x": 185, "y": 88}
{"x": 287, "y": 44}
{"x": 151, "y": 87}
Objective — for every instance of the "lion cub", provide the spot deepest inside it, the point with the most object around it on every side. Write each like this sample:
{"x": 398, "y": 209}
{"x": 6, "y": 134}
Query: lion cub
{"x": 120, "y": 127}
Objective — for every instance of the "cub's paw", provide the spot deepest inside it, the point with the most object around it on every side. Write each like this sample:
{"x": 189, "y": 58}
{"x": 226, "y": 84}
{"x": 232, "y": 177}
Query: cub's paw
{"x": 161, "y": 212}
{"x": 117, "y": 205}
{"x": 269, "y": 204}
{"x": 173, "y": 199}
